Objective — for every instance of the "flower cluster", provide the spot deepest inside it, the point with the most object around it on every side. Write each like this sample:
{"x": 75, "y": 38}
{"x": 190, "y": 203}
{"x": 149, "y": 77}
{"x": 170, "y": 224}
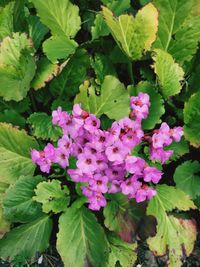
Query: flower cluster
{"x": 105, "y": 163}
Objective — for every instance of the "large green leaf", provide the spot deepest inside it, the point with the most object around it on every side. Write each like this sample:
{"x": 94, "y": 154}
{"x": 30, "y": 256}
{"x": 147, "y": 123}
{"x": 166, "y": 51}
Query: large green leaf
{"x": 178, "y": 31}
{"x": 81, "y": 240}
{"x": 186, "y": 178}
{"x": 112, "y": 100}
{"x": 52, "y": 196}
{"x": 17, "y": 67}
{"x": 26, "y": 239}
{"x": 174, "y": 236}
{"x": 4, "y": 224}
{"x": 129, "y": 32}
{"x": 46, "y": 71}
{"x": 6, "y": 20}
{"x": 18, "y": 203}
{"x": 61, "y": 17}
{"x": 72, "y": 75}
{"x": 169, "y": 73}
{"x": 192, "y": 120}
{"x": 15, "y": 160}
{"x": 37, "y": 30}
{"x": 121, "y": 251}
{"x": 157, "y": 104}
{"x": 42, "y": 126}
{"x": 59, "y": 47}
{"x": 180, "y": 148}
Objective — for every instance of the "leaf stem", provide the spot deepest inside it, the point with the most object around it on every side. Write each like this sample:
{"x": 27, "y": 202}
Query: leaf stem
{"x": 130, "y": 70}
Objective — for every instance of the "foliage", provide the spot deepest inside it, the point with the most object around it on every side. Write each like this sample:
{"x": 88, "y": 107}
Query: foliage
{"x": 98, "y": 54}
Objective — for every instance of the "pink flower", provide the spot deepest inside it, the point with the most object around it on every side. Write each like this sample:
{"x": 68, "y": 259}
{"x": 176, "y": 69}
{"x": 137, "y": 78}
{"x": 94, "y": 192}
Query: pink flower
{"x": 91, "y": 123}
{"x": 87, "y": 163}
{"x": 99, "y": 183}
{"x": 116, "y": 152}
{"x": 65, "y": 143}
{"x": 144, "y": 193}
{"x": 96, "y": 201}
{"x": 114, "y": 187}
{"x": 135, "y": 165}
{"x": 152, "y": 174}
{"x": 61, "y": 157}
{"x": 177, "y": 133}
{"x": 160, "y": 154}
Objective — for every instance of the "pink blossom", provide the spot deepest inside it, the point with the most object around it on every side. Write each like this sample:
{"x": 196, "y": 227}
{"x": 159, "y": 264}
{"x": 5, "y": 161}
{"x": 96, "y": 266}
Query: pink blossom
{"x": 152, "y": 174}
{"x": 135, "y": 165}
{"x": 99, "y": 183}
{"x": 92, "y": 123}
{"x": 87, "y": 163}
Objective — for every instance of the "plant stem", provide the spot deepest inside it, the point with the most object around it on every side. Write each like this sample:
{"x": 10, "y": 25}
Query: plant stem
{"x": 130, "y": 70}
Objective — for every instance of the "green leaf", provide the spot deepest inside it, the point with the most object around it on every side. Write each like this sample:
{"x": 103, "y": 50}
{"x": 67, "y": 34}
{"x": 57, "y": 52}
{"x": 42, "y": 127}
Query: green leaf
{"x": 42, "y": 126}
{"x": 19, "y": 16}
{"x": 17, "y": 67}
{"x": 181, "y": 148}
{"x": 112, "y": 100}
{"x": 100, "y": 28}
{"x": 59, "y": 47}
{"x": 174, "y": 236}
{"x": 157, "y": 105}
{"x": 178, "y": 31}
{"x": 121, "y": 252}
{"x": 45, "y": 73}
{"x": 186, "y": 179}
{"x": 102, "y": 67}
{"x": 71, "y": 77}
{"x": 62, "y": 17}
{"x": 81, "y": 241}
{"x": 169, "y": 73}
{"x": 37, "y": 30}
{"x": 18, "y": 203}
{"x": 52, "y": 196}
{"x": 4, "y": 224}
{"x": 6, "y": 20}
{"x": 11, "y": 116}
{"x": 15, "y": 146}
{"x": 192, "y": 120}
{"x": 26, "y": 239}
{"x": 129, "y": 32}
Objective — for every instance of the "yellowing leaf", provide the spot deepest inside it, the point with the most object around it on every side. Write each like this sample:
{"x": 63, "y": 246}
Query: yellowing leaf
{"x": 133, "y": 35}
{"x": 169, "y": 73}
{"x": 173, "y": 234}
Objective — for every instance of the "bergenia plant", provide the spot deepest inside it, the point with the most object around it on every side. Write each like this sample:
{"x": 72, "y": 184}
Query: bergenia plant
{"x": 99, "y": 133}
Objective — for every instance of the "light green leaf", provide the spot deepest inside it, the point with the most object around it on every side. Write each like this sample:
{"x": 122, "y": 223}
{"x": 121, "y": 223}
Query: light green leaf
{"x": 186, "y": 179}
{"x": 71, "y": 77}
{"x": 173, "y": 235}
{"x": 37, "y": 30}
{"x": 18, "y": 203}
{"x": 192, "y": 120}
{"x": 169, "y": 73}
{"x": 15, "y": 146}
{"x": 4, "y": 225}
{"x": 81, "y": 241}
{"x": 180, "y": 148}
{"x": 26, "y": 239}
{"x": 59, "y": 47}
{"x": 178, "y": 31}
{"x": 129, "y": 32}
{"x": 52, "y": 196}
{"x": 100, "y": 28}
{"x": 112, "y": 100}
{"x": 17, "y": 67}
{"x": 102, "y": 67}
{"x": 61, "y": 17}
{"x": 6, "y": 20}
{"x": 121, "y": 252}
{"x": 42, "y": 126}
{"x": 157, "y": 104}
{"x": 45, "y": 73}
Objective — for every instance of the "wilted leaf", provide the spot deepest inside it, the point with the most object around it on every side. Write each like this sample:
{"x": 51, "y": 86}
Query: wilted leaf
{"x": 61, "y": 17}
{"x": 43, "y": 127}
{"x": 187, "y": 179}
{"x": 18, "y": 204}
{"x": 81, "y": 241}
{"x": 17, "y": 67}
{"x": 45, "y": 73}
{"x": 174, "y": 236}
{"x": 129, "y": 32}
{"x": 192, "y": 120}
{"x": 26, "y": 239}
{"x": 169, "y": 73}
{"x": 52, "y": 196}
{"x": 112, "y": 100}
